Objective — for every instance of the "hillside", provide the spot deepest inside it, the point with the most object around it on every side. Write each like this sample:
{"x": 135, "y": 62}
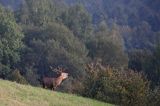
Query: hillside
{"x": 138, "y": 20}
{"x": 13, "y": 94}
{"x": 132, "y": 16}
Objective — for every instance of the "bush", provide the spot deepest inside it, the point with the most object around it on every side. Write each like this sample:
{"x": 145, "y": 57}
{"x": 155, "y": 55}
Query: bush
{"x": 32, "y": 77}
{"x": 122, "y": 87}
{"x": 154, "y": 97}
{"x": 72, "y": 85}
{"x": 16, "y": 76}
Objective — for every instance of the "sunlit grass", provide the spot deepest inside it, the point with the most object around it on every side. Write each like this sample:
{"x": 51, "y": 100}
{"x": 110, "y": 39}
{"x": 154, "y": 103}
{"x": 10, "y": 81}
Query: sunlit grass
{"x": 13, "y": 94}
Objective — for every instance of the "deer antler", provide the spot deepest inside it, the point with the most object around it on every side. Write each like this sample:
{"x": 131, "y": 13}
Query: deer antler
{"x": 51, "y": 67}
{"x": 59, "y": 69}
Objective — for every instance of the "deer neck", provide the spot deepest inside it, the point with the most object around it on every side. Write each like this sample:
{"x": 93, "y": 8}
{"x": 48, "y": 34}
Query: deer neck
{"x": 59, "y": 80}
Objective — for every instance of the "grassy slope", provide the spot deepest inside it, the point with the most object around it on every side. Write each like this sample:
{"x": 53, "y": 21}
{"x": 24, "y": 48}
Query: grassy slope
{"x": 13, "y": 94}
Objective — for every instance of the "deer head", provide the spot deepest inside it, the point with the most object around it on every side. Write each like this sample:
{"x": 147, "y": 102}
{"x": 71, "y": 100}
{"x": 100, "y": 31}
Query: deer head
{"x": 60, "y": 71}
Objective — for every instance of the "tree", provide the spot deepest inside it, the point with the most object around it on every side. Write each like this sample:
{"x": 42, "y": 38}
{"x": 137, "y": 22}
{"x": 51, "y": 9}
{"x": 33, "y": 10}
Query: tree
{"x": 10, "y": 40}
{"x": 53, "y": 46}
{"x": 108, "y": 45}
{"x": 147, "y": 62}
{"x": 138, "y": 58}
{"x": 78, "y": 20}
{"x": 38, "y": 13}
{"x": 31, "y": 76}
{"x": 152, "y": 66}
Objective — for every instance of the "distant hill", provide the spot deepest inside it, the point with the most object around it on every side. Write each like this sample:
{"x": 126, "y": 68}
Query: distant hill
{"x": 133, "y": 17}
{"x": 13, "y": 94}
{"x": 124, "y": 12}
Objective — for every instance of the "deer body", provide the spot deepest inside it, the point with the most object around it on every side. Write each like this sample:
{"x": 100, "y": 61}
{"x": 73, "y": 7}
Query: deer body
{"x": 53, "y": 83}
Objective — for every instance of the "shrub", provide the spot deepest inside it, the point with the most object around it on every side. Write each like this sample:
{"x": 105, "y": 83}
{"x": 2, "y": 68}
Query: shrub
{"x": 122, "y": 87}
{"x": 32, "y": 77}
{"x": 16, "y": 76}
{"x": 154, "y": 97}
{"x": 72, "y": 85}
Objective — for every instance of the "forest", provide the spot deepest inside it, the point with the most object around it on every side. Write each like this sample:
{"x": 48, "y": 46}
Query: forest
{"x": 110, "y": 48}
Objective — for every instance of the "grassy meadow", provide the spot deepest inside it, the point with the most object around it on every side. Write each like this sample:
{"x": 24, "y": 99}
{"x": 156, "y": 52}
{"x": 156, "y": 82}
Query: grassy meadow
{"x": 13, "y": 94}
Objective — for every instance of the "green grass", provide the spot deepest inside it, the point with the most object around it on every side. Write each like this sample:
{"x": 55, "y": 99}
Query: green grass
{"x": 13, "y": 94}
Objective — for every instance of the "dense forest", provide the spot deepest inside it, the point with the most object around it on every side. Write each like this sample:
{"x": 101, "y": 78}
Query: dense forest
{"x": 110, "y": 48}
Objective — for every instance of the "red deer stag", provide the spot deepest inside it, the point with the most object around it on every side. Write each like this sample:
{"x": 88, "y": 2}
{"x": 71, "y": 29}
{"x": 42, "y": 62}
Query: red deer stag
{"x": 53, "y": 83}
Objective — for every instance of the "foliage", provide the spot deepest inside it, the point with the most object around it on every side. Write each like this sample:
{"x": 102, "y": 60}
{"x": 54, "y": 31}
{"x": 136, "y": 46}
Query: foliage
{"x": 138, "y": 58}
{"x": 53, "y": 46}
{"x": 38, "y": 13}
{"x": 10, "y": 41}
{"x": 4, "y": 71}
{"x": 141, "y": 17}
{"x": 78, "y": 20}
{"x": 108, "y": 45}
{"x": 148, "y": 62}
{"x": 16, "y": 76}
{"x": 154, "y": 97}
{"x": 72, "y": 86}
{"x": 124, "y": 87}
{"x": 10, "y": 38}
{"x": 31, "y": 76}
{"x": 156, "y": 59}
